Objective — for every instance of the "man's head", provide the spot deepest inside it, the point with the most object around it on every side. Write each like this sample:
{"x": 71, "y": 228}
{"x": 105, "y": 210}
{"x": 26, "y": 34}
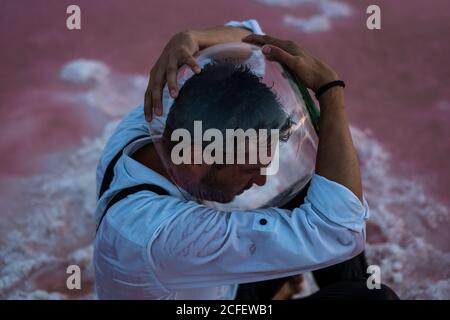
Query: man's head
{"x": 224, "y": 97}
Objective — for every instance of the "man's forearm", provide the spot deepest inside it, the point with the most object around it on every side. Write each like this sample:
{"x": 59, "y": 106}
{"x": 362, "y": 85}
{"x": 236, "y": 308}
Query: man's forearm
{"x": 220, "y": 34}
{"x": 336, "y": 157}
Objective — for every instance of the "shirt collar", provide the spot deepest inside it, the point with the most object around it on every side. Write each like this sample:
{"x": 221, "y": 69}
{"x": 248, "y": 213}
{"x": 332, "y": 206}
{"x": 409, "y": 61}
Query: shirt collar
{"x": 142, "y": 174}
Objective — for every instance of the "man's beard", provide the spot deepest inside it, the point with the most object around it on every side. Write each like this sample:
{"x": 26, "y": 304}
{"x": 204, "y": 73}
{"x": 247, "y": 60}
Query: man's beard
{"x": 208, "y": 190}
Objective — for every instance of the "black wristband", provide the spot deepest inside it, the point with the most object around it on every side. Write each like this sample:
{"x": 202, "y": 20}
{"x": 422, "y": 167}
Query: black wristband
{"x": 329, "y": 85}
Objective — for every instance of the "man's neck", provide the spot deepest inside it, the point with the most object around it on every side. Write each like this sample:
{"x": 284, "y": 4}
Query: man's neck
{"x": 149, "y": 157}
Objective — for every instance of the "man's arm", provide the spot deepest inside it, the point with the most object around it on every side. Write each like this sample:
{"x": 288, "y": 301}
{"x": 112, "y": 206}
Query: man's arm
{"x": 336, "y": 156}
{"x": 218, "y": 35}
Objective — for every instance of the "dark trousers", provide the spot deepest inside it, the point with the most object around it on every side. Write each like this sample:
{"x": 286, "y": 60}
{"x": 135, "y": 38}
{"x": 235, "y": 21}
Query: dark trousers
{"x": 343, "y": 281}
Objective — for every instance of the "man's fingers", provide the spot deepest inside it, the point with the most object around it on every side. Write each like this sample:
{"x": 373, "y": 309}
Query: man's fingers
{"x": 287, "y": 45}
{"x": 157, "y": 84}
{"x": 278, "y": 54}
{"x": 192, "y": 63}
{"x": 157, "y": 100}
{"x": 172, "y": 71}
{"x": 148, "y": 110}
{"x": 166, "y": 71}
{"x": 171, "y": 75}
{"x": 264, "y": 39}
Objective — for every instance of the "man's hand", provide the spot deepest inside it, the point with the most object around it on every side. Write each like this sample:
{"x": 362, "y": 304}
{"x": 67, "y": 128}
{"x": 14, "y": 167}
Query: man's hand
{"x": 293, "y": 286}
{"x": 181, "y": 50}
{"x": 178, "y": 51}
{"x": 312, "y": 72}
{"x": 336, "y": 156}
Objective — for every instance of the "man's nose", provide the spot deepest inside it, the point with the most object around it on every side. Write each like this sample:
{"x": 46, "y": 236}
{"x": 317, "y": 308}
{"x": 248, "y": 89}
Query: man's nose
{"x": 260, "y": 180}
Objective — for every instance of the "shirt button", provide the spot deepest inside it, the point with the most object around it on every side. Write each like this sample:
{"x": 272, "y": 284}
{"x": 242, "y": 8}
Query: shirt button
{"x": 263, "y": 222}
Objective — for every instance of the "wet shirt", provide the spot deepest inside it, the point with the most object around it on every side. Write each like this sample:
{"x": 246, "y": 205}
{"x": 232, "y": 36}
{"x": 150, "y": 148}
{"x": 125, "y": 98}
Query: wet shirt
{"x": 152, "y": 246}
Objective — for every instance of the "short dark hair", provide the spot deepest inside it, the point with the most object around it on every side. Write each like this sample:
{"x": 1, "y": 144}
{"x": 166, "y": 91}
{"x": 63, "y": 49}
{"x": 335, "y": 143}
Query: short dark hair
{"x": 227, "y": 95}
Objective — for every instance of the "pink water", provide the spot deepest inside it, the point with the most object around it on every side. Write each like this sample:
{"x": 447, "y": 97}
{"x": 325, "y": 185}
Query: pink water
{"x": 55, "y": 117}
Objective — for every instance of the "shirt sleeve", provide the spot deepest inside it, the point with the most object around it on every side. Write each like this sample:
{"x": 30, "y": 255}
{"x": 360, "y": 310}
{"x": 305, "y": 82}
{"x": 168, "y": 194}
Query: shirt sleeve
{"x": 251, "y": 25}
{"x": 201, "y": 247}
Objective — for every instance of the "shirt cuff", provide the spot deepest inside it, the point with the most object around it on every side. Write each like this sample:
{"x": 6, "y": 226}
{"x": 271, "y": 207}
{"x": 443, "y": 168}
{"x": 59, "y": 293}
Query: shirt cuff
{"x": 251, "y": 25}
{"x": 337, "y": 203}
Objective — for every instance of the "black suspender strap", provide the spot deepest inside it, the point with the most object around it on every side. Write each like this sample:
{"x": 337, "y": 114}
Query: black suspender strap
{"x": 109, "y": 172}
{"x": 129, "y": 191}
{"x": 109, "y": 175}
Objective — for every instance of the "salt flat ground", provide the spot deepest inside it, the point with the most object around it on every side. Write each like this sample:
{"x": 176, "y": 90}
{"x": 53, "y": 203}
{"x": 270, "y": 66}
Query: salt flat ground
{"x": 62, "y": 92}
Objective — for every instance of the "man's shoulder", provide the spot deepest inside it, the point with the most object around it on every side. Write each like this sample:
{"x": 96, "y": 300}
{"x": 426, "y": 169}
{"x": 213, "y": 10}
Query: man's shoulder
{"x": 130, "y": 127}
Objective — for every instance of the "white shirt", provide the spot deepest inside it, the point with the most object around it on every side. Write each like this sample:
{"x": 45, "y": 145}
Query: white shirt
{"x": 153, "y": 246}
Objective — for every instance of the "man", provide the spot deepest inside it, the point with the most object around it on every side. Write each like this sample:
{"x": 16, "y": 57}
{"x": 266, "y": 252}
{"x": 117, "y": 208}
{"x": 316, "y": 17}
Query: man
{"x": 155, "y": 241}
